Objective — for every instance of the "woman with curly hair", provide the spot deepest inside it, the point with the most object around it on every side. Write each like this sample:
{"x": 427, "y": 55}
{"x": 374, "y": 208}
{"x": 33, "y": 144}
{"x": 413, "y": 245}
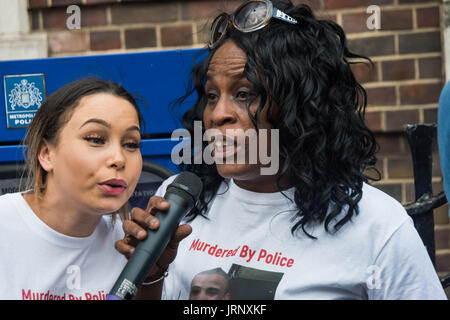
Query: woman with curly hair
{"x": 315, "y": 229}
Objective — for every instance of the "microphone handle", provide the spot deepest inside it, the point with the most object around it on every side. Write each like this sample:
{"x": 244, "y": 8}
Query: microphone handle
{"x": 148, "y": 250}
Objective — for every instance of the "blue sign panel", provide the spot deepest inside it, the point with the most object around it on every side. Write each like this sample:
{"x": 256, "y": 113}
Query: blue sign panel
{"x": 24, "y": 95}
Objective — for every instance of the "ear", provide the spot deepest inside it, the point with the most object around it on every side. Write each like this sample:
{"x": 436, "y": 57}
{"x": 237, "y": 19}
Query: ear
{"x": 45, "y": 156}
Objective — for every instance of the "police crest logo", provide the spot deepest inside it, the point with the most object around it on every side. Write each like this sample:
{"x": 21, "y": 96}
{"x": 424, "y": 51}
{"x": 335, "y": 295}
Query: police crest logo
{"x": 24, "y": 95}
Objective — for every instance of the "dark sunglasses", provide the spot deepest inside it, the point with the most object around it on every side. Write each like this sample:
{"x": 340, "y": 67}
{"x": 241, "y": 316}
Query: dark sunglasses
{"x": 248, "y": 17}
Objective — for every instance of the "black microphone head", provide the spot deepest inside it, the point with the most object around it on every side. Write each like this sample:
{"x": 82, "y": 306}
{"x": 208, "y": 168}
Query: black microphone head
{"x": 186, "y": 184}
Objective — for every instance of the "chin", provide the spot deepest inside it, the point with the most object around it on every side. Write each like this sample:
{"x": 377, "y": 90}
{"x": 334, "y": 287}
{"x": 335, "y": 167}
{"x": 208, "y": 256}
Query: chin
{"x": 238, "y": 171}
{"x": 109, "y": 206}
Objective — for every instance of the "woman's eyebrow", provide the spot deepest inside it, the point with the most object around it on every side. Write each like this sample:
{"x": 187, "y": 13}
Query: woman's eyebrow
{"x": 106, "y": 124}
{"x": 99, "y": 121}
{"x": 134, "y": 128}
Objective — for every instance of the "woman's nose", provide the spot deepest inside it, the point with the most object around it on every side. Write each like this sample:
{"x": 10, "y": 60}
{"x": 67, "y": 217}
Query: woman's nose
{"x": 117, "y": 158}
{"x": 223, "y": 112}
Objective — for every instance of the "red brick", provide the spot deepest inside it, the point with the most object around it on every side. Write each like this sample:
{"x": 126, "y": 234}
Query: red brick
{"x": 420, "y": 93}
{"x": 430, "y": 115}
{"x": 176, "y": 36}
{"x": 400, "y": 168}
{"x": 68, "y": 41}
{"x": 373, "y": 46}
{"x": 140, "y": 38}
{"x": 441, "y": 215}
{"x": 93, "y": 2}
{"x": 105, "y": 40}
{"x": 428, "y": 17}
{"x": 36, "y": 4}
{"x": 441, "y": 236}
{"x": 355, "y": 22}
{"x": 396, "y": 121}
{"x": 35, "y": 21}
{"x": 416, "y": 1}
{"x": 409, "y": 193}
{"x": 65, "y": 3}
{"x": 340, "y": 4}
{"x": 383, "y": 96}
{"x": 54, "y": 18}
{"x": 203, "y": 32}
{"x": 373, "y": 120}
{"x": 420, "y": 42}
{"x": 398, "y": 70}
{"x": 130, "y": 13}
{"x": 390, "y": 20}
{"x": 430, "y": 67}
{"x": 396, "y": 19}
{"x": 364, "y": 72}
{"x": 326, "y": 16}
{"x": 191, "y": 10}
{"x": 443, "y": 261}
{"x": 93, "y": 16}
{"x": 390, "y": 143}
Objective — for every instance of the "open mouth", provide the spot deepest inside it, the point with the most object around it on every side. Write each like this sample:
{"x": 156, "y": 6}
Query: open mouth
{"x": 224, "y": 147}
{"x": 113, "y": 186}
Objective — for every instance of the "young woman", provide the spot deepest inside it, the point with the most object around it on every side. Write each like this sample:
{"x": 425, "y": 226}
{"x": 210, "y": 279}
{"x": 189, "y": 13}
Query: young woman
{"x": 83, "y": 162}
{"x": 315, "y": 229}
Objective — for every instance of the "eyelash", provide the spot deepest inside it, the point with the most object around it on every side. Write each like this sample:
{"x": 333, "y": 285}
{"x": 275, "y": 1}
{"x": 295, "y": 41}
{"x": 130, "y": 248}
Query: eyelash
{"x": 95, "y": 139}
{"x": 132, "y": 145}
{"x": 100, "y": 140}
{"x": 249, "y": 95}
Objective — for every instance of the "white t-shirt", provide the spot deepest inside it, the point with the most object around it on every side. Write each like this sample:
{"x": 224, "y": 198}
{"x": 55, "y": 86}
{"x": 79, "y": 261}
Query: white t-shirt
{"x": 377, "y": 255}
{"x": 38, "y": 263}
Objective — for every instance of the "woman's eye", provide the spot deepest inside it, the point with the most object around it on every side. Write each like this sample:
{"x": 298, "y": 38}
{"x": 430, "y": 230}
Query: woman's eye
{"x": 211, "y": 97}
{"x": 244, "y": 96}
{"x": 95, "y": 139}
{"x": 132, "y": 145}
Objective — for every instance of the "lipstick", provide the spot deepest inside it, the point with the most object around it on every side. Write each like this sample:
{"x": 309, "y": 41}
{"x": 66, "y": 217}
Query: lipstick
{"x": 113, "y": 187}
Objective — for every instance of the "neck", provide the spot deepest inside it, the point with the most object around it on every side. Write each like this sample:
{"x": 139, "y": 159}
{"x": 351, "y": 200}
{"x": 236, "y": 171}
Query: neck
{"x": 61, "y": 216}
{"x": 267, "y": 184}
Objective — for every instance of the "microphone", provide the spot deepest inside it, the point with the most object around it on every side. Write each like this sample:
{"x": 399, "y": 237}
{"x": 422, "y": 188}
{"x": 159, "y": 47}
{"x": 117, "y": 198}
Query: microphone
{"x": 182, "y": 194}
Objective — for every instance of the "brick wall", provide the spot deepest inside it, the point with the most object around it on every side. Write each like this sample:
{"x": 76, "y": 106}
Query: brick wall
{"x": 403, "y": 87}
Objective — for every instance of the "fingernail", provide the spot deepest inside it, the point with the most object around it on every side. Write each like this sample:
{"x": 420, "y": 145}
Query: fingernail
{"x": 152, "y": 223}
{"x": 140, "y": 234}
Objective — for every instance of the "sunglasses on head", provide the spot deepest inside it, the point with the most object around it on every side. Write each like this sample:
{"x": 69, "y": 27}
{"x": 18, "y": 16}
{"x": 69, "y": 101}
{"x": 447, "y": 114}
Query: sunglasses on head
{"x": 248, "y": 17}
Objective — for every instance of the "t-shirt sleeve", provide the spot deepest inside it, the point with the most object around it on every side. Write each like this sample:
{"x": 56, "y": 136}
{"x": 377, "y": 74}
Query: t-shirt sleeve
{"x": 403, "y": 270}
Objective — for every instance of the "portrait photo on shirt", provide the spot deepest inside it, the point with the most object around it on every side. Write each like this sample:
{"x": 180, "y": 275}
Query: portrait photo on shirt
{"x": 240, "y": 283}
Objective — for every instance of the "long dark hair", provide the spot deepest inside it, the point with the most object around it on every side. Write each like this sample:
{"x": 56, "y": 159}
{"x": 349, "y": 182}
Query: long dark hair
{"x": 325, "y": 145}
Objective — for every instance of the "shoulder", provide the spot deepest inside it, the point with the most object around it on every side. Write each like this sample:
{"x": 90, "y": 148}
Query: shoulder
{"x": 14, "y": 210}
{"x": 379, "y": 206}
{"x": 11, "y": 202}
{"x": 10, "y": 197}
{"x": 379, "y": 217}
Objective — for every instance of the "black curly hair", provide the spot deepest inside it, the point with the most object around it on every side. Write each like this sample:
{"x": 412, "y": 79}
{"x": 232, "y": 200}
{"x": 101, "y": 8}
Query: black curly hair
{"x": 325, "y": 145}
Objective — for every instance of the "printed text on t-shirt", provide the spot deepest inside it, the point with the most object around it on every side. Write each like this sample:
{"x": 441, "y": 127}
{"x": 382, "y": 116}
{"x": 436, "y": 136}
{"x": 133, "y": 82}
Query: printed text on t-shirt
{"x": 244, "y": 252}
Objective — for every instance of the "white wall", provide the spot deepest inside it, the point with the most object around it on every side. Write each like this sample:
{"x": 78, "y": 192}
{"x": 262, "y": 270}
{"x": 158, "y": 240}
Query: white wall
{"x": 16, "y": 41}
